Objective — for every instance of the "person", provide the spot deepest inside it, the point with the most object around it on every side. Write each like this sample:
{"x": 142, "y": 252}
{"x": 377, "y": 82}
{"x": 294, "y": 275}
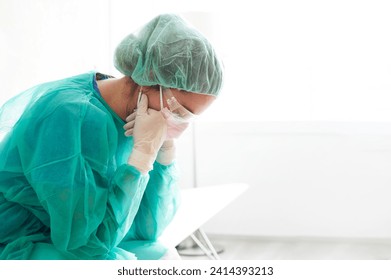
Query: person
{"x": 87, "y": 163}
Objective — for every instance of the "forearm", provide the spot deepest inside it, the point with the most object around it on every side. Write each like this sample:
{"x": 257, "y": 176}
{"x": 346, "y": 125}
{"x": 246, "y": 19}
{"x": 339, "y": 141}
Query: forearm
{"x": 159, "y": 204}
{"x": 127, "y": 189}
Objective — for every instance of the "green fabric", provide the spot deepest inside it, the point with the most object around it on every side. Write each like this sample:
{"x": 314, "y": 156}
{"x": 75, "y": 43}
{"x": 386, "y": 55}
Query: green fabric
{"x": 167, "y": 51}
{"x": 144, "y": 250}
{"x": 66, "y": 191}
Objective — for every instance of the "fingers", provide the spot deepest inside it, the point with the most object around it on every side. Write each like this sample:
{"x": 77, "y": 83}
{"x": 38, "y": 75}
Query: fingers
{"x": 129, "y": 128}
{"x": 129, "y": 125}
{"x": 166, "y": 113}
{"x": 142, "y": 107}
{"x": 130, "y": 121}
{"x": 131, "y": 117}
{"x": 147, "y": 114}
{"x": 129, "y": 132}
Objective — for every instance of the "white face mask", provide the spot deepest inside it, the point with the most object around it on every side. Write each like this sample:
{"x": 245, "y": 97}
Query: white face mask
{"x": 178, "y": 117}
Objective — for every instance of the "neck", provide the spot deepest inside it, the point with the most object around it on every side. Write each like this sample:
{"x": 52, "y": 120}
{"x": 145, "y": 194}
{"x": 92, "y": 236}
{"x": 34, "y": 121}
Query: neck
{"x": 119, "y": 94}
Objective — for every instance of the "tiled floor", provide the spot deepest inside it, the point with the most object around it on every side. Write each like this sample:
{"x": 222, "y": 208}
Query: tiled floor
{"x": 242, "y": 248}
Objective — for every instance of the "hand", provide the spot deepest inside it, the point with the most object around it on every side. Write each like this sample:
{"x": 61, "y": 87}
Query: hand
{"x": 166, "y": 154}
{"x": 130, "y": 120}
{"x": 175, "y": 126}
{"x": 149, "y": 130}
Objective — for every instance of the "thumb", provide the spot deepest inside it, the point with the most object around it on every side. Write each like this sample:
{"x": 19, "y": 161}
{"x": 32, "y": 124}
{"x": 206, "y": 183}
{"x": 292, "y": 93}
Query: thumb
{"x": 142, "y": 106}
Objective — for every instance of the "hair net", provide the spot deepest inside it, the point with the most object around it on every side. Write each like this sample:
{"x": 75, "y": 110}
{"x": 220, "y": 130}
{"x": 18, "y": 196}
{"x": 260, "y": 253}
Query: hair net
{"x": 167, "y": 51}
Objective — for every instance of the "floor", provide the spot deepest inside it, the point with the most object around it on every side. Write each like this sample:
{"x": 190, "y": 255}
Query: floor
{"x": 252, "y": 248}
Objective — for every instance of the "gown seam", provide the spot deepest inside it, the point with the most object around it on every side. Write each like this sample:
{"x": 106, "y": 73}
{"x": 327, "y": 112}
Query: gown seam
{"x": 51, "y": 163}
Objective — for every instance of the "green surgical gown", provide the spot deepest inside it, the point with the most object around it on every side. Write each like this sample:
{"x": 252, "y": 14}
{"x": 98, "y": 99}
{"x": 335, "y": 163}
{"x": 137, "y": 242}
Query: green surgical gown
{"x": 66, "y": 190}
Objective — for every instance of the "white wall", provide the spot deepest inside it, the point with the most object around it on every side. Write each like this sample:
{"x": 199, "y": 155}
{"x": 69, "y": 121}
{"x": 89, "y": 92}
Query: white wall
{"x": 294, "y": 60}
{"x": 45, "y": 40}
{"x": 311, "y": 179}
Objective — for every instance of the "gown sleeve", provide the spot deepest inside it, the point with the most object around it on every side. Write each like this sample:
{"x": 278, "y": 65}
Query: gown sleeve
{"x": 66, "y": 157}
{"x": 159, "y": 204}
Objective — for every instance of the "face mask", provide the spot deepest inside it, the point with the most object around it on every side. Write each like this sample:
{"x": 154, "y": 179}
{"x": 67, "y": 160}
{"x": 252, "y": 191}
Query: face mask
{"x": 178, "y": 117}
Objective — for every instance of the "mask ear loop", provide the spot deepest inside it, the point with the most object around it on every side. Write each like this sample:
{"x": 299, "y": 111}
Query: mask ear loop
{"x": 139, "y": 95}
{"x": 161, "y": 97}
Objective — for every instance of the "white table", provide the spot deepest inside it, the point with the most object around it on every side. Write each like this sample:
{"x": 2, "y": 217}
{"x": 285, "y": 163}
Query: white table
{"x": 198, "y": 205}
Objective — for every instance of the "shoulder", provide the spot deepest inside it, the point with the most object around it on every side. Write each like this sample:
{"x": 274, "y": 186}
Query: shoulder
{"x": 63, "y": 109}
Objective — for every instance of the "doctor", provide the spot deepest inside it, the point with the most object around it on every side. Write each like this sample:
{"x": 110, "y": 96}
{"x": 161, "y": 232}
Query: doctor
{"x": 87, "y": 165}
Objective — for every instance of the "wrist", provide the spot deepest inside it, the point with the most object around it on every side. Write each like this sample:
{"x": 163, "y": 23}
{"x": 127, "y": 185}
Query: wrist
{"x": 167, "y": 152}
{"x": 141, "y": 161}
